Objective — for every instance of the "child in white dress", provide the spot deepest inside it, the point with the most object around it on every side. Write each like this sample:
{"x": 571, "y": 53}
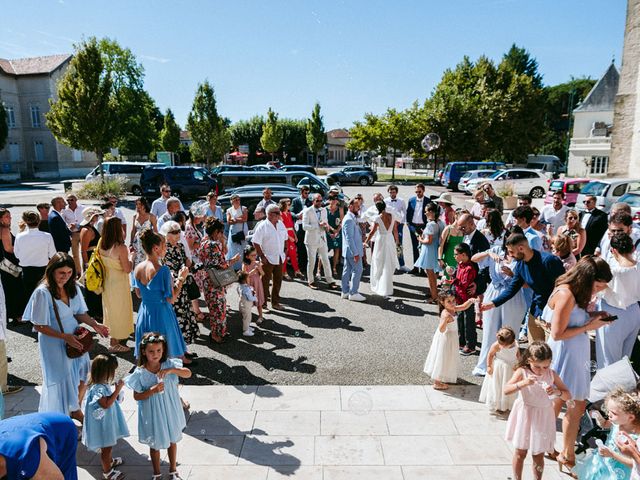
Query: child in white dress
{"x": 501, "y": 361}
{"x": 247, "y": 301}
{"x": 442, "y": 360}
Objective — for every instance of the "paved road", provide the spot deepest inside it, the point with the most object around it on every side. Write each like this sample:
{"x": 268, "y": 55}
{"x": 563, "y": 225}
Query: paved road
{"x": 319, "y": 339}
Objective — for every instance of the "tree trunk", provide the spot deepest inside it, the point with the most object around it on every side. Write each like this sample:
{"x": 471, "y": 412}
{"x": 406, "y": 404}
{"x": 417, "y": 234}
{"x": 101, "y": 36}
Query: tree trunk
{"x": 100, "y": 155}
{"x": 393, "y": 165}
{"x": 315, "y": 154}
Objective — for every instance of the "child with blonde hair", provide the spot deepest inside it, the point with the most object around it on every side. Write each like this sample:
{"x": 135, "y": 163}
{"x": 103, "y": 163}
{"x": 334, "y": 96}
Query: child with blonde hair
{"x": 501, "y": 360}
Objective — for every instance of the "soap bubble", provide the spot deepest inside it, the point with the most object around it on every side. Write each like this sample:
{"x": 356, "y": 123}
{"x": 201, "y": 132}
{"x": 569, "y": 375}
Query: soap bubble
{"x": 430, "y": 142}
{"x": 360, "y": 402}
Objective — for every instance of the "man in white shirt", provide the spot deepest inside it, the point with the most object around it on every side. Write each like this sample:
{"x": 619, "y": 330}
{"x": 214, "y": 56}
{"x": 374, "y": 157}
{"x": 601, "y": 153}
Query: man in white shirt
{"x": 315, "y": 225}
{"x": 620, "y": 222}
{"x": 72, "y": 215}
{"x": 523, "y": 201}
{"x": 159, "y": 205}
{"x": 173, "y": 206}
{"x": 269, "y": 238}
{"x": 34, "y": 249}
{"x": 400, "y": 209}
{"x": 416, "y": 220}
{"x": 554, "y": 214}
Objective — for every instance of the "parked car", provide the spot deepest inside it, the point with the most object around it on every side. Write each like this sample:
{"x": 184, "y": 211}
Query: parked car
{"x": 131, "y": 170}
{"x": 472, "y": 175}
{"x": 230, "y": 180}
{"x": 357, "y": 175}
{"x": 569, "y": 186}
{"x": 185, "y": 182}
{"x": 549, "y": 164}
{"x": 524, "y": 182}
{"x": 298, "y": 168}
{"x": 633, "y": 200}
{"x": 275, "y": 187}
{"x": 437, "y": 178}
{"x": 263, "y": 168}
{"x": 453, "y": 171}
{"x": 251, "y": 200}
{"x": 606, "y": 191}
{"x": 229, "y": 168}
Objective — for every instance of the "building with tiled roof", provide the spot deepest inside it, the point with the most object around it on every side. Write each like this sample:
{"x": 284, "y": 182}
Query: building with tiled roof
{"x": 26, "y": 86}
{"x": 337, "y": 152}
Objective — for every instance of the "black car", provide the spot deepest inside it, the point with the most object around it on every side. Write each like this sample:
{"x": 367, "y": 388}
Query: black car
{"x": 229, "y": 168}
{"x": 360, "y": 175}
{"x": 298, "y": 168}
{"x": 185, "y": 182}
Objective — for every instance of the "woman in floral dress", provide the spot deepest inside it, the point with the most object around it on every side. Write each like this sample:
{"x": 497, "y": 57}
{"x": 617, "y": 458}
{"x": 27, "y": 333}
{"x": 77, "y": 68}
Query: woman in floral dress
{"x": 335, "y": 214}
{"x": 142, "y": 220}
{"x": 175, "y": 259}
{"x": 212, "y": 256}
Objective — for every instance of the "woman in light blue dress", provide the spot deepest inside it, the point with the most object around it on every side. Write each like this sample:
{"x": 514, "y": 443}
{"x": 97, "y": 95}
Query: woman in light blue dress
{"x": 569, "y": 323}
{"x": 429, "y": 244}
{"x": 237, "y": 217}
{"x": 510, "y": 314}
{"x": 154, "y": 285}
{"x": 616, "y": 339}
{"x": 61, "y": 374}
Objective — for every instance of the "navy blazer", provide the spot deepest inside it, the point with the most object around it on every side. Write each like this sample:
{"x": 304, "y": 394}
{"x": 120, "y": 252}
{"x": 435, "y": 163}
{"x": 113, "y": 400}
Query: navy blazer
{"x": 411, "y": 206}
{"x": 60, "y": 232}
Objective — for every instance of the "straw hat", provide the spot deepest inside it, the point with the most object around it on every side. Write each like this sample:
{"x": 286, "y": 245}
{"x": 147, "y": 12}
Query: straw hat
{"x": 89, "y": 213}
{"x": 444, "y": 198}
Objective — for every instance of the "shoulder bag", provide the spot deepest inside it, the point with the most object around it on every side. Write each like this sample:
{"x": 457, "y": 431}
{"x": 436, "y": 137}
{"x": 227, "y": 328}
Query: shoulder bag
{"x": 222, "y": 277}
{"x": 9, "y": 267}
{"x": 84, "y": 336}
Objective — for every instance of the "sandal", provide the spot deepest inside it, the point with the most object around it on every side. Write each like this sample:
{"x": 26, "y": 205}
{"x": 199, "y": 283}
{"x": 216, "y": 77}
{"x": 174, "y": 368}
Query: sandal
{"x": 157, "y": 476}
{"x": 298, "y": 275}
{"x": 113, "y": 475}
{"x": 564, "y": 463}
{"x": 116, "y": 462}
{"x": 119, "y": 348}
{"x": 175, "y": 476}
{"x": 444, "y": 386}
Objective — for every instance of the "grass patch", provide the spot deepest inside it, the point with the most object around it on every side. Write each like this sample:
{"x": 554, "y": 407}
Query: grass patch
{"x": 96, "y": 188}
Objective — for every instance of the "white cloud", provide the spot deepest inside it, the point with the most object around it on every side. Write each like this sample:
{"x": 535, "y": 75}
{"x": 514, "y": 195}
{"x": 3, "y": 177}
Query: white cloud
{"x": 151, "y": 58}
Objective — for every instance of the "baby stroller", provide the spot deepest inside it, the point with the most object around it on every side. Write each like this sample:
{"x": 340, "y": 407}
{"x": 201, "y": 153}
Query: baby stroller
{"x": 616, "y": 375}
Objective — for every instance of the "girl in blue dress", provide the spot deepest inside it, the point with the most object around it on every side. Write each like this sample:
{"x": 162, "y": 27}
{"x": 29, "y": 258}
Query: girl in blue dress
{"x": 155, "y": 387}
{"x": 104, "y": 422}
{"x": 61, "y": 375}
{"x": 430, "y": 242}
{"x": 608, "y": 462}
{"x": 154, "y": 285}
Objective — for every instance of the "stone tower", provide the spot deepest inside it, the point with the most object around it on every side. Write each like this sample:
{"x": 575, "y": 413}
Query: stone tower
{"x": 625, "y": 148}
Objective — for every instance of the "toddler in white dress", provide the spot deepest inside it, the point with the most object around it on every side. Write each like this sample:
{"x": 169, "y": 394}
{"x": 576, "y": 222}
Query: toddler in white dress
{"x": 501, "y": 361}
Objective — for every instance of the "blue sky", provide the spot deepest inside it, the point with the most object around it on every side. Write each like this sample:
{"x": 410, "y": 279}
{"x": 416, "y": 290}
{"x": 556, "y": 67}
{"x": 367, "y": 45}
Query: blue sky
{"x": 353, "y": 56}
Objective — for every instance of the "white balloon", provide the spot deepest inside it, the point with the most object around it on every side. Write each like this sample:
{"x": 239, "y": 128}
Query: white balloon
{"x": 430, "y": 142}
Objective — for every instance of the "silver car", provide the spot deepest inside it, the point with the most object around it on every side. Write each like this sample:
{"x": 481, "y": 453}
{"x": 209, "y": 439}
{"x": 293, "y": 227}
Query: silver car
{"x": 606, "y": 191}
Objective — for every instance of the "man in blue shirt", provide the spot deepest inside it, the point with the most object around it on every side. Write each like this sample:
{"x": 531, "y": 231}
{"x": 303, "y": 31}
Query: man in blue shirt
{"x": 539, "y": 270}
{"x": 523, "y": 216}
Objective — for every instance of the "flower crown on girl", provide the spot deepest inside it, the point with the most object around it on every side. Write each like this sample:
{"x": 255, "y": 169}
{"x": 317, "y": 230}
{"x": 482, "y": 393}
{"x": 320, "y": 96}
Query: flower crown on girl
{"x": 153, "y": 339}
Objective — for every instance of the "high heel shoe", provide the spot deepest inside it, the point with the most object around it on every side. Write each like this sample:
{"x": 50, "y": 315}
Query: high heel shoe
{"x": 564, "y": 463}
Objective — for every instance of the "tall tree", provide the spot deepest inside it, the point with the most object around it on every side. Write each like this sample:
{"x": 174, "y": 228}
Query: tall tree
{"x": 248, "y": 132}
{"x": 520, "y": 61}
{"x": 84, "y": 114}
{"x": 4, "y": 126}
{"x": 207, "y": 129}
{"x": 316, "y": 136}
{"x": 170, "y": 133}
{"x": 272, "y": 134}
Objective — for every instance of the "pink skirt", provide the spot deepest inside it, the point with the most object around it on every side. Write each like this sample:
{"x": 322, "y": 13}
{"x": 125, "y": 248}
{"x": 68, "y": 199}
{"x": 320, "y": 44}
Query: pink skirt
{"x": 256, "y": 282}
{"x": 531, "y": 428}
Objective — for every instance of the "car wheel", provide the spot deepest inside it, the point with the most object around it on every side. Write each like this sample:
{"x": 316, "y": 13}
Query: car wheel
{"x": 537, "y": 192}
{"x": 364, "y": 181}
{"x": 136, "y": 190}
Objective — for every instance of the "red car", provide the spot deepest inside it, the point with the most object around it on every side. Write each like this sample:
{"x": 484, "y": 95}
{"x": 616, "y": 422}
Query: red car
{"x": 569, "y": 186}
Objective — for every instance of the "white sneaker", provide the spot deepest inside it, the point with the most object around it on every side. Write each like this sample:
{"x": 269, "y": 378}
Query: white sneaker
{"x": 356, "y": 297}
{"x": 248, "y": 333}
{"x": 344, "y": 295}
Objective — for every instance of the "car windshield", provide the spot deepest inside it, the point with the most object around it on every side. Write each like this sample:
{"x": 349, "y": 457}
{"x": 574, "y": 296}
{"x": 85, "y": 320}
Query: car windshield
{"x": 466, "y": 175}
{"x": 595, "y": 188}
{"x": 556, "y": 185}
{"x": 496, "y": 174}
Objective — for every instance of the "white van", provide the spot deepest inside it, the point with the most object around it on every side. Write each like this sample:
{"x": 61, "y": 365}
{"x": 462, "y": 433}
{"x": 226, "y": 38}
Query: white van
{"x": 549, "y": 164}
{"x": 131, "y": 170}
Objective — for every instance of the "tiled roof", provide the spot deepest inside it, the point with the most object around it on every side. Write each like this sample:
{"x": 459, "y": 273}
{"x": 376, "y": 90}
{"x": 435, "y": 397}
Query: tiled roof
{"x": 603, "y": 94}
{"x": 185, "y": 135}
{"x": 33, "y": 66}
{"x": 338, "y": 133}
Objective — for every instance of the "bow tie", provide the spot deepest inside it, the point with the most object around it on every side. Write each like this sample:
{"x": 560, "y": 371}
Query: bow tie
{"x": 317, "y": 210}
{"x": 394, "y": 199}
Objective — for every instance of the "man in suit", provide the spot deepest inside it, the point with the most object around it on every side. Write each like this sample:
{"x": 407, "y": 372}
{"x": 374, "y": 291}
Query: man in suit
{"x": 352, "y": 250}
{"x": 416, "y": 220}
{"x": 297, "y": 207}
{"x": 395, "y": 203}
{"x": 595, "y": 222}
{"x": 478, "y": 243}
{"x": 315, "y": 225}
{"x": 58, "y": 227}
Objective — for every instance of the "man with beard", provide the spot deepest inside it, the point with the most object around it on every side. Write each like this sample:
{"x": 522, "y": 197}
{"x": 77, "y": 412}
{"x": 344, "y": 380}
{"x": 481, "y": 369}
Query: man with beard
{"x": 539, "y": 270}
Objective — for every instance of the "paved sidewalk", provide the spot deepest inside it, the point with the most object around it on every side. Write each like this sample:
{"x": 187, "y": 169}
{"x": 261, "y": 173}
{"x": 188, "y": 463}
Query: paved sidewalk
{"x": 322, "y": 433}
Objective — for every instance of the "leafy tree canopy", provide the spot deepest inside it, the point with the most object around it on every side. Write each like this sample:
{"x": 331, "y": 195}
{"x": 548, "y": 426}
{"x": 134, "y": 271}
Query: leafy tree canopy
{"x": 170, "y": 133}
{"x": 272, "y": 134}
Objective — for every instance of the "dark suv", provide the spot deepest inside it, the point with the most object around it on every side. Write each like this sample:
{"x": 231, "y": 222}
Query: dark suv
{"x": 185, "y": 182}
{"x": 358, "y": 174}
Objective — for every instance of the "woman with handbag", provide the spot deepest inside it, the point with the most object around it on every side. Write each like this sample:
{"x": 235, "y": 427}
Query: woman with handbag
{"x": 237, "y": 217}
{"x": 55, "y": 309}
{"x": 212, "y": 258}
{"x": 117, "y": 304}
{"x": 9, "y": 270}
{"x": 89, "y": 239}
{"x": 175, "y": 259}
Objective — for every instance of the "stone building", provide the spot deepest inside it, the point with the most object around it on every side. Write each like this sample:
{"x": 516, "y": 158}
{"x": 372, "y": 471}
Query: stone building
{"x": 590, "y": 146}
{"x": 337, "y": 152}
{"x": 625, "y": 148}
{"x": 26, "y": 85}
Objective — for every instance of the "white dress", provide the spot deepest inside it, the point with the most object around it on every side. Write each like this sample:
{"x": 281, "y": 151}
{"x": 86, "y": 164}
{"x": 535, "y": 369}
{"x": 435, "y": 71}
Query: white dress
{"x": 443, "y": 358}
{"x": 384, "y": 260}
{"x": 493, "y": 385}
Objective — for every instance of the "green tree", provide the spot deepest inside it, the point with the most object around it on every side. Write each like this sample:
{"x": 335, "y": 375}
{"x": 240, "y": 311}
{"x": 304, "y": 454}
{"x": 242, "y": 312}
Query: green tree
{"x": 170, "y": 133}
{"x": 520, "y": 61}
{"x": 4, "y": 126}
{"x": 272, "y": 134}
{"x": 316, "y": 136}
{"x": 84, "y": 114}
{"x": 248, "y": 132}
{"x": 294, "y": 138}
{"x": 208, "y": 130}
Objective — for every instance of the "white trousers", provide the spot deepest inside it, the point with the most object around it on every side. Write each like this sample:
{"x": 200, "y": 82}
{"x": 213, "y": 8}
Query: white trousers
{"x": 246, "y": 308}
{"x": 312, "y": 253}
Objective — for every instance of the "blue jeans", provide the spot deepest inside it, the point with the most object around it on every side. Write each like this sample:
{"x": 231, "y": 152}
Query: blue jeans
{"x": 351, "y": 273}
{"x": 400, "y": 238}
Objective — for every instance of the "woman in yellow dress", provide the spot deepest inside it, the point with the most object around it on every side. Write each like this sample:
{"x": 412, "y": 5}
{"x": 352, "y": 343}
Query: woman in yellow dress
{"x": 116, "y": 296}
